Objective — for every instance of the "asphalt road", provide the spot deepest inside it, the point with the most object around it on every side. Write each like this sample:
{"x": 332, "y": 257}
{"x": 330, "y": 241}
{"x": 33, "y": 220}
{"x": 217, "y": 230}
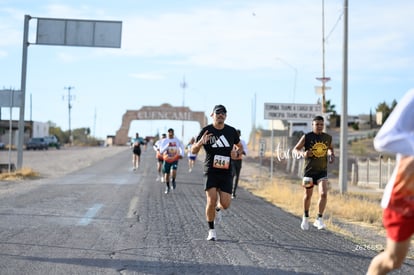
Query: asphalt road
{"x": 106, "y": 219}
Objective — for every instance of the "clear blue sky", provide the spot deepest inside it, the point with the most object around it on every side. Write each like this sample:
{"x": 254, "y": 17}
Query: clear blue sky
{"x": 230, "y": 52}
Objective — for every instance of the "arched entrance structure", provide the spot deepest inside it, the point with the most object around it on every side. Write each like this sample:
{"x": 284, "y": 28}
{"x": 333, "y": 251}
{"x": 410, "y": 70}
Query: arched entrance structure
{"x": 162, "y": 112}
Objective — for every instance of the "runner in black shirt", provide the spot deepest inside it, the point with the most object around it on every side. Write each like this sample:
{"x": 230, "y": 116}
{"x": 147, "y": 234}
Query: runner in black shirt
{"x": 218, "y": 140}
{"x": 318, "y": 149}
{"x": 136, "y": 151}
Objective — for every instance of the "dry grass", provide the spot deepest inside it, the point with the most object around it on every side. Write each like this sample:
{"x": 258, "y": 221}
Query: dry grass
{"x": 24, "y": 173}
{"x": 288, "y": 195}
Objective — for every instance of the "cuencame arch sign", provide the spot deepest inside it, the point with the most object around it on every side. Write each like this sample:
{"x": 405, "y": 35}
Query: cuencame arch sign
{"x": 162, "y": 112}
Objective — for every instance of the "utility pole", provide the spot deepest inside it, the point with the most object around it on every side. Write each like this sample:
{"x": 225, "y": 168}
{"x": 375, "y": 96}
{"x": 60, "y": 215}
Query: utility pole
{"x": 322, "y": 90}
{"x": 183, "y": 86}
{"x": 343, "y": 161}
{"x": 253, "y": 123}
{"x": 23, "y": 90}
{"x": 69, "y": 98}
{"x": 323, "y": 79}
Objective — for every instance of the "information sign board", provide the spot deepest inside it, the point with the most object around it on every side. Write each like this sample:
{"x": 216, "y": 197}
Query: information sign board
{"x": 75, "y": 32}
{"x": 291, "y": 112}
{"x": 10, "y": 98}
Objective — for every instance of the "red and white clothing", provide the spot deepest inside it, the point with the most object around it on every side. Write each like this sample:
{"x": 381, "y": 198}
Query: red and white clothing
{"x": 171, "y": 149}
{"x": 397, "y": 136}
{"x": 156, "y": 147}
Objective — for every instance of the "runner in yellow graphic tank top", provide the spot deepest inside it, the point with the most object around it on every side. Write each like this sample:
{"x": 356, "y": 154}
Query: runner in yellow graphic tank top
{"x": 315, "y": 147}
{"x": 318, "y": 144}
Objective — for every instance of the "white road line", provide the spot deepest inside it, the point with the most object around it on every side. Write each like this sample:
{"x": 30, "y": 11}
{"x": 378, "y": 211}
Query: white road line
{"x": 132, "y": 207}
{"x": 90, "y": 214}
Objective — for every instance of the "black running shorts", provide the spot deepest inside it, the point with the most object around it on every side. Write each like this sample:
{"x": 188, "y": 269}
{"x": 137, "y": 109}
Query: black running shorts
{"x": 222, "y": 181}
{"x": 137, "y": 151}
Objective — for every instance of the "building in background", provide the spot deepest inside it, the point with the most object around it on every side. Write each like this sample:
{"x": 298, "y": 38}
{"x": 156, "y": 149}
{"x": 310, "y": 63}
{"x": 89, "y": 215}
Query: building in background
{"x": 9, "y": 131}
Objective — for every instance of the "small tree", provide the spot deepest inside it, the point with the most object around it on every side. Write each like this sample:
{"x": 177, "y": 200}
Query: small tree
{"x": 385, "y": 109}
{"x": 329, "y": 107}
{"x": 58, "y": 133}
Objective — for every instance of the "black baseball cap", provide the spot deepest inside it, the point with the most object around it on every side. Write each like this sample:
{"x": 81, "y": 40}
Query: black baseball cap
{"x": 219, "y": 108}
{"x": 318, "y": 118}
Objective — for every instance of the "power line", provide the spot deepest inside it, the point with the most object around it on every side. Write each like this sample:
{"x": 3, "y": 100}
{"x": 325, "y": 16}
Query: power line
{"x": 335, "y": 25}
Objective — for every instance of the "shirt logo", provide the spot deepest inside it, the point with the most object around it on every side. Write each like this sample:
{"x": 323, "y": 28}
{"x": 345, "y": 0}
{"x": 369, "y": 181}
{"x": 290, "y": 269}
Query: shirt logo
{"x": 220, "y": 142}
{"x": 319, "y": 149}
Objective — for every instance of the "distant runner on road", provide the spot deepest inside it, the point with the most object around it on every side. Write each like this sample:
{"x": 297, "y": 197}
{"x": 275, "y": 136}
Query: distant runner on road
{"x": 159, "y": 157}
{"x": 172, "y": 150}
{"x": 136, "y": 151}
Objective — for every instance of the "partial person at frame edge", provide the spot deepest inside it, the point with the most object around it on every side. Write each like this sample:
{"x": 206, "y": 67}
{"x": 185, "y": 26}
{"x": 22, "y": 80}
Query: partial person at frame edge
{"x": 397, "y": 136}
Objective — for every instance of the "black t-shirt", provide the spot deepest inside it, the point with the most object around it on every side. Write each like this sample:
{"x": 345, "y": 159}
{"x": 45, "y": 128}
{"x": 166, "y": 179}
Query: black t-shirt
{"x": 218, "y": 148}
{"x": 319, "y": 145}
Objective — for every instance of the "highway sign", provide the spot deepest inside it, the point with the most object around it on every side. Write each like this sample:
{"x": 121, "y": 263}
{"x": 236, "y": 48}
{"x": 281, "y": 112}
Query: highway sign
{"x": 10, "y": 98}
{"x": 75, "y": 32}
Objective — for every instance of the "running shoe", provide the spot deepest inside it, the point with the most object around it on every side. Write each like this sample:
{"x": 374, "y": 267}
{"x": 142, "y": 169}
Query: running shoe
{"x": 319, "y": 224}
{"x": 211, "y": 235}
{"x": 167, "y": 190}
{"x": 305, "y": 223}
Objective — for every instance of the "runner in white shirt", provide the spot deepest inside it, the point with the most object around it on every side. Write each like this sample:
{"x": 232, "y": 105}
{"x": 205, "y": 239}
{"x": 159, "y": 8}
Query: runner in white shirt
{"x": 191, "y": 157}
{"x": 172, "y": 150}
{"x": 159, "y": 157}
{"x": 397, "y": 136}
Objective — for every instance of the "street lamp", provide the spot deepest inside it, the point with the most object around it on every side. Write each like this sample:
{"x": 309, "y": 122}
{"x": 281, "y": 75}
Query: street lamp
{"x": 323, "y": 79}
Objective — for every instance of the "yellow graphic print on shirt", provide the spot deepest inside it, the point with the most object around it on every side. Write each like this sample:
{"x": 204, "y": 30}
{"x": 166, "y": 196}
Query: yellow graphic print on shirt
{"x": 319, "y": 149}
{"x": 318, "y": 144}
